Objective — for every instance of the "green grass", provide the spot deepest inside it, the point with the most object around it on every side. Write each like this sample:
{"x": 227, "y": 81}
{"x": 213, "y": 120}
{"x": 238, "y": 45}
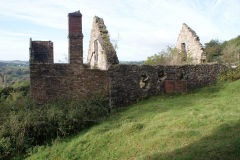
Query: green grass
{"x": 204, "y": 124}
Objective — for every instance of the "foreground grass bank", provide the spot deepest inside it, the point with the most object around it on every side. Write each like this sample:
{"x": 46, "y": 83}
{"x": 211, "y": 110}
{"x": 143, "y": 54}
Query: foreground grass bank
{"x": 204, "y": 124}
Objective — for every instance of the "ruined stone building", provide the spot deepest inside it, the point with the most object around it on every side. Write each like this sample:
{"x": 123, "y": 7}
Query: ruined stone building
{"x": 102, "y": 75}
{"x": 189, "y": 42}
{"x": 101, "y": 53}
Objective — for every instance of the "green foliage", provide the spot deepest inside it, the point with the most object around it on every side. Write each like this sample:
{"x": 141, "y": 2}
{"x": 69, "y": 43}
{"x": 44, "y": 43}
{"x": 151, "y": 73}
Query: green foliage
{"x": 23, "y": 123}
{"x": 203, "y": 124}
{"x": 15, "y": 72}
{"x": 227, "y": 52}
{"x": 213, "y": 51}
{"x": 171, "y": 56}
{"x": 231, "y": 54}
{"x": 230, "y": 74}
{"x": 6, "y": 92}
{"x": 10, "y": 91}
{"x": 5, "y": 147}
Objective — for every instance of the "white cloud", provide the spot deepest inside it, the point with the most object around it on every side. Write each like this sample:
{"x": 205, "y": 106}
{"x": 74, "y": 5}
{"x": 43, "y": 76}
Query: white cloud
{"x": 144, "y": 26}
{"x": 16, "y": 34}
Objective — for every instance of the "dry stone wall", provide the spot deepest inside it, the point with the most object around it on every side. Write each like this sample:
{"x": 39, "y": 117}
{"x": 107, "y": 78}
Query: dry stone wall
{"x": 126, "y": 80}
{"x": 197, "y": 76}
{"x": 128, "y": 83}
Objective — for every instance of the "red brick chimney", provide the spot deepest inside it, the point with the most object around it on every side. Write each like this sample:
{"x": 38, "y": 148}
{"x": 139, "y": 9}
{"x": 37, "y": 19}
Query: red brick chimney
{"x": 75, "y": 38}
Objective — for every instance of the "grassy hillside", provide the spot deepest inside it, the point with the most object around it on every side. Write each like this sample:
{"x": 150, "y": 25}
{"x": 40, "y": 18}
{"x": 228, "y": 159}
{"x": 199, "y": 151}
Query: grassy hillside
{"x": 204, "y": 124}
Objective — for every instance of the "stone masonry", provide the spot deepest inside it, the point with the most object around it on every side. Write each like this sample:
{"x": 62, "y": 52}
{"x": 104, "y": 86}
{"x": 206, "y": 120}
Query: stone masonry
{"x": 41, "y": 51}
{"x": 75, "y": 38}
{"x": 126, "y": 80}
{"x": 189, "y": 42}
{"x": 119, "y": 84}
{"x": 50, "y": 81}
{"x": 101, "y": 53}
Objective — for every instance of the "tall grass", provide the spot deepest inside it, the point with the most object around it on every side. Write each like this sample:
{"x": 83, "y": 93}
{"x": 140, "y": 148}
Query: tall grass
{"x": 24, "y": 124}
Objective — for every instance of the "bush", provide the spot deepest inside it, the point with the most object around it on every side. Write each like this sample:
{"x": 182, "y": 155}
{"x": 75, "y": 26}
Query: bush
{"x": 213, "y": 51}
{"x": 5, "y": 147}
{"x": 171, "y": 56}
{"x": 231, "y": 54}
{"x": 230, "y": 74}
{"x": 26, "y": 124}
{"x": 226, "y": 52}
{"x": 5, "y": 93}
{"x": 11, "y": 91}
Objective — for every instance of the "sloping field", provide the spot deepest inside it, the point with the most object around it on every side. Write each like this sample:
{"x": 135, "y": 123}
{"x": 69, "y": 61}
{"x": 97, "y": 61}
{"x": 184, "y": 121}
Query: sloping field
{"x": 204, "y": 124}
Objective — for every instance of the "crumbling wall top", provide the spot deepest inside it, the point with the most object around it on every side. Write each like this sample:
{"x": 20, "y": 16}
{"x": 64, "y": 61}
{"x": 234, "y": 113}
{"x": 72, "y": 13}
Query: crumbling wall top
{"x": 189, "y": 42}
{"x": 41, "y": 52}
{"x": 77, "y": 13}
{"x": 101, "y": 53}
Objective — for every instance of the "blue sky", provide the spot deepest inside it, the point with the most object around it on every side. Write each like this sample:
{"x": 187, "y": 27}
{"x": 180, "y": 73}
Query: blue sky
{"x": 141, "y": 27}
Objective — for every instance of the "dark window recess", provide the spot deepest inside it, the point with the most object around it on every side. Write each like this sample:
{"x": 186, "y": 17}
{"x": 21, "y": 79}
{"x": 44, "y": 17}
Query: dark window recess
{"x": 183, "y": 47}
{"x": 95, "y": 53}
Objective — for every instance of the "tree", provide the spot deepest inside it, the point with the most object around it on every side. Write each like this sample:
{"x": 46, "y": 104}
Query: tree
{"x": 231, "y": 54}
{"x": 213, "y": 51}
{"x": 170, "y": 56}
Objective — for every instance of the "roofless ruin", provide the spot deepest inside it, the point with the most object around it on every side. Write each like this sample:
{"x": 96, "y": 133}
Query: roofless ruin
{"x": 102, "y": 75}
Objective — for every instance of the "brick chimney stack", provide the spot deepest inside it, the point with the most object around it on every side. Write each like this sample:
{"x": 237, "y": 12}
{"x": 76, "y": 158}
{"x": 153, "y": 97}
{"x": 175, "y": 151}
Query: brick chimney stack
{"x": 75, "y": 38}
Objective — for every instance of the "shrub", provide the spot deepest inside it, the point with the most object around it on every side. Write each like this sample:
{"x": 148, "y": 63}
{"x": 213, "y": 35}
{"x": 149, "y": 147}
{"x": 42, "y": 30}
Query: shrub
{"x": 5, "y": 92}
{"x": 26, "y": 123}
{"x": 231, "y": 54}
{"x": 171, "y": 56}
{"x": 5, "y": 147}
{"x": 11, "y": 91}
{"x": 230, "y": 74}
{"x": 213, "y": 51}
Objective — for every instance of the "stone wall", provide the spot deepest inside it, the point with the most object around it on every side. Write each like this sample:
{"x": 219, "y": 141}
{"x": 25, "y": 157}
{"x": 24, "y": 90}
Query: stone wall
{"x": 101, "y": 53}
{"x": 121, "y": 84}
{"x": 189, "y": 42}
{"x": 41, "y": 51}
{"x": 51, "y": 81}
{"x": 196, "y": 76}
{"x": 129, "y": 83}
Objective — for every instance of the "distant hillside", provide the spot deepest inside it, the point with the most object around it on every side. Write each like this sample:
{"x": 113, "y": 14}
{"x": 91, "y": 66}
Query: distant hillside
{"x": 15, "y": 62}
{"x": 131, "y": 62}
{"x": 13, "y": 72}
{"x": 16, "y": 72}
